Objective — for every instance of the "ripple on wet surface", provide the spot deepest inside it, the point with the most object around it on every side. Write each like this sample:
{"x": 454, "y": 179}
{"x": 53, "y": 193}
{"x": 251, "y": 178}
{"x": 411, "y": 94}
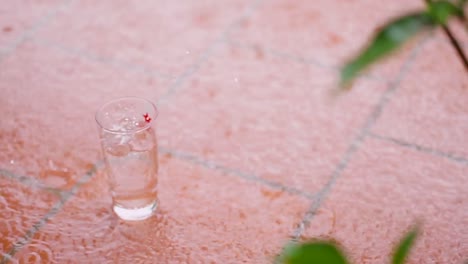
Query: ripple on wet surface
{"x": 20, "y": 208}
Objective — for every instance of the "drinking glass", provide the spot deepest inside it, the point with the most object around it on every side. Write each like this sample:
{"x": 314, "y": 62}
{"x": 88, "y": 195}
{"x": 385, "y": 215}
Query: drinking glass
{"x": 128, "y": 141}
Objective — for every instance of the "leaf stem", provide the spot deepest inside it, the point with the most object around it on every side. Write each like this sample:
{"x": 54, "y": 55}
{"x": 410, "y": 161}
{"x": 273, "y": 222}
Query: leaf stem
{"x": 456, "y": 45}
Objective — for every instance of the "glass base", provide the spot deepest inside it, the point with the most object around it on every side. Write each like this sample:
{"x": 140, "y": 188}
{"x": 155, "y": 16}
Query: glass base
{"x": 135, "y": 214}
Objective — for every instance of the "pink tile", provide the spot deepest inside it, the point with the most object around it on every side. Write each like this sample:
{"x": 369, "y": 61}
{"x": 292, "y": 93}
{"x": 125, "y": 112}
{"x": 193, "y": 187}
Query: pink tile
{"x": 165, "y": 35}
{"x": 264, "y": 115}
{"x": 329, "y": 32}
{"x": 48, "y": 101}
{"x": 20, "y": 208}
{"x": 384, "y": 191}
{"x": 204, "y": 217}
{"x": 17, "y": 17}
{"x": 429, "y": 108}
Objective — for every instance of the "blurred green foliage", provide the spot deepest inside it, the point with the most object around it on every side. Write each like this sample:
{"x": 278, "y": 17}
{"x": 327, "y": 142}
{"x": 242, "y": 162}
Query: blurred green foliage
{"x": 325, "y": 252}
{"x": 396, "y": 32}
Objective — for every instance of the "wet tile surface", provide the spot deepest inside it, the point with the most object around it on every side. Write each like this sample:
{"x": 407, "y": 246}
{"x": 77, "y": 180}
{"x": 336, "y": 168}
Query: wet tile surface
{"x": 249, "y": 130}
{"x": 50, "y": 98}
{"x": 204, "y": 217}
{"x": 371, "y": 206}
{"x": 276, "y": 119}
{"x": 20, "y": 208}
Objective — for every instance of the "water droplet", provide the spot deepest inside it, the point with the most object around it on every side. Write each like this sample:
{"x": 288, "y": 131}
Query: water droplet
{"x": 52, "y": 164}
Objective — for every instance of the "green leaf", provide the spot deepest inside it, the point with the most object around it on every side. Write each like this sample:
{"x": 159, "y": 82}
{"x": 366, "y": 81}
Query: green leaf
{"x": 404, "y": 247}
{"x": 389, "y": 38}
{"x": 441, "y": 11}
{"x": 313, "y": 253}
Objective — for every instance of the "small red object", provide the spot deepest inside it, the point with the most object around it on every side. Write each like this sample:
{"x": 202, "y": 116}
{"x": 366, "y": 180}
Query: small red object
{"x": 147, "y": 118}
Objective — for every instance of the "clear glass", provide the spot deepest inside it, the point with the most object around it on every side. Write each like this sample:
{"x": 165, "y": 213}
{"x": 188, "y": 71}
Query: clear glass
{"x": 129, "y": 145}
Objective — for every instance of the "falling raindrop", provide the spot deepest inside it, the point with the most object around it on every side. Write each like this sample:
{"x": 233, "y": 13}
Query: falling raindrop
{"x": 236, "y": 82}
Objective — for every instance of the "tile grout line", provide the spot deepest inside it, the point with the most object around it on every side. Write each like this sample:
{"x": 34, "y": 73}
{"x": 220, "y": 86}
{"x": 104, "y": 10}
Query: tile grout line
{"x": 179, "y": 80}
{"x": 303, "y": 60}
{"x": 29, "y": 33}
{"x": 427, "y": 150}
{"x": 190, "y": 70}
{"x": 358, "y": 140}
{"x": 28, "y": 181}
{"x": 182, "y": 156}
{"x": 88, "y": 56}
{"x": 207, "y": 54}
{"x": 51, "y": 213}
{"x": 235, "y": 172}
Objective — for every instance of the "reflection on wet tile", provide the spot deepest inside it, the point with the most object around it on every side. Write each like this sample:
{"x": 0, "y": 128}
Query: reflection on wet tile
{"x": 204, "y": 217}
{"x": 20, "y": 207}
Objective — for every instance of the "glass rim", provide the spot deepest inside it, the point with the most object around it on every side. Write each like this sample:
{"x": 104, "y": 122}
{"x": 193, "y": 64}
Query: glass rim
{"x": 139, "y": 129}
